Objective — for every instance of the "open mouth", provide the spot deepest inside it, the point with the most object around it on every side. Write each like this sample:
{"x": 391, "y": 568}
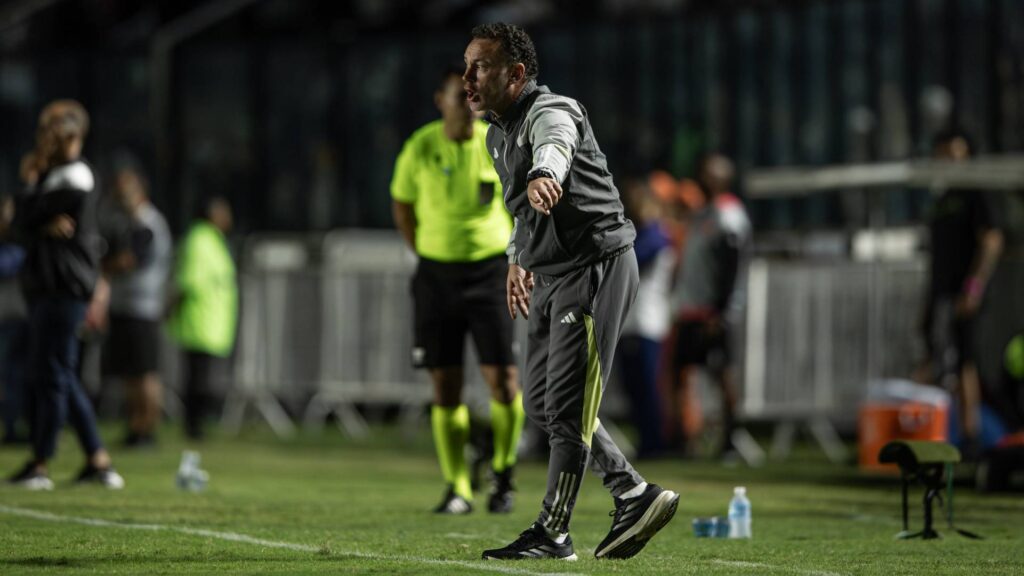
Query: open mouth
{"x": 472, "y": 96}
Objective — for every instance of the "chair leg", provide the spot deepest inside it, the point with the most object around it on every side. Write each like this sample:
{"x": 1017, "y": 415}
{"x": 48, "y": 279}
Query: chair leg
{"x": 906, "y": 506}
{"x": 929, "y": 533}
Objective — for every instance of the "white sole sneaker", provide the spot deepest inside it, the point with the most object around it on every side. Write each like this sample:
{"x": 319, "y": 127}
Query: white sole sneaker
{"x": 37, "y": 483}
{"x": 635, "y": 538}
{"x": 112, "y": 480}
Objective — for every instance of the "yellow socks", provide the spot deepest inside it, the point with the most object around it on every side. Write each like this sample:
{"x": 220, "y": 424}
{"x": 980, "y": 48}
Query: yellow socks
{"x": 451, "y": 432}
{"x": 507, "y": 424}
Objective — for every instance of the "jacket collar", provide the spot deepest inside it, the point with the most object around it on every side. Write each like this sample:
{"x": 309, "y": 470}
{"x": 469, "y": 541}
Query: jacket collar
{"x": 517, "y": 107}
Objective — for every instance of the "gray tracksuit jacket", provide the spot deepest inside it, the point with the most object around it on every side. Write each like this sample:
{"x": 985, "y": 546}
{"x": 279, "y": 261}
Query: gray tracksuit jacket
{"x": 545, "y": 130}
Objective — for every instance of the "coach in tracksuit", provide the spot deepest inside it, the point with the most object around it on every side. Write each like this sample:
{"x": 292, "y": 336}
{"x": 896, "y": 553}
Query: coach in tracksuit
{"x": 573, "y": 274}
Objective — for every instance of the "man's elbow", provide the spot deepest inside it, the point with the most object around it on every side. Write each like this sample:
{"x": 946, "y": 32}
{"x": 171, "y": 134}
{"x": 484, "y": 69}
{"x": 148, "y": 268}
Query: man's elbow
{"x": 399, "y": 213}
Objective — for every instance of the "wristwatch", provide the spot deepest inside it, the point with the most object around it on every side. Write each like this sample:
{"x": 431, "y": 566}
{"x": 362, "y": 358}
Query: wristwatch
{"x": 539, "y": 173}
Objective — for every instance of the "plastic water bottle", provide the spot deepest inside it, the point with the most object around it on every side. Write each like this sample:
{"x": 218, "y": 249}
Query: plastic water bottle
{"x": 190, "y": 477}
{"x": 739, "y": 514}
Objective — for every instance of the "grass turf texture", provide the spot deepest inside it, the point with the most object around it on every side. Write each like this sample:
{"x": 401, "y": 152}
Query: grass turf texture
{"x": 361, "y": 508}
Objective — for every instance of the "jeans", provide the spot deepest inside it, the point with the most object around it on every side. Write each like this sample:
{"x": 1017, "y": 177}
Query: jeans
{"x": 52, "y": 373}
{"x": 639, "y": 359}
{"x": 13, "y": 348}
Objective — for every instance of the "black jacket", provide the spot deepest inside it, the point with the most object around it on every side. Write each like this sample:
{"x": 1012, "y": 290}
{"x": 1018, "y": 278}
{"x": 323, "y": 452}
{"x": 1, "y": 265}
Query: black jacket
{"x": 56, "y": 267}
{"x": 545, "y": 130}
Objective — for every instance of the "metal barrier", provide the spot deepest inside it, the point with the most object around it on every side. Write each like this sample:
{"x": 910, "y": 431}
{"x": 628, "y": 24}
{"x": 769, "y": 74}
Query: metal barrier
{"x": 277, "y": 338}
{"x": 331, "y": 321}
{"x": 366, "y": 332}
{"x": 817, "y": 333}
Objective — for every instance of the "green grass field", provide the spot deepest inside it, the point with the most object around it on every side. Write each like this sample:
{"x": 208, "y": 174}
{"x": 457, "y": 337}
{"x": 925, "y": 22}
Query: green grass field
{"x": 329, "y": 505}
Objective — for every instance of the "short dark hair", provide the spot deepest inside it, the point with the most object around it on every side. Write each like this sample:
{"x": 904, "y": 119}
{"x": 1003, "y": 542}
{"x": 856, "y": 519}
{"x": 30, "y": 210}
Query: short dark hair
{"x": 515, "y": 42}
{"x": 447, "y": 72}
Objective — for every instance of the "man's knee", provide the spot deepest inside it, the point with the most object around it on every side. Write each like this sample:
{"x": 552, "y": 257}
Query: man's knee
{"x": 535, "y": 412}
{"x": 447, "y": 386}
{"x": 502, "y": 380}
{"x": 564, "y": 431}
{"x": 538, "y": 420}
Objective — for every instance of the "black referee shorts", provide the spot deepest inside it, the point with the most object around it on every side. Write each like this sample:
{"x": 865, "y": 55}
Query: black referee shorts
{"x": 698, "y": 344}
{"x": 453, "y": 298}
{"x": 132, "y": 348}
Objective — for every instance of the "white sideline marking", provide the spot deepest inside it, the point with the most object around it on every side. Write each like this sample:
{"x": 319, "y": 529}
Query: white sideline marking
{"x": 481, "y": 565}
{"x": 461, "y": 536}
{"x": 763, "y": 566}
{"x": 741, "y": 564}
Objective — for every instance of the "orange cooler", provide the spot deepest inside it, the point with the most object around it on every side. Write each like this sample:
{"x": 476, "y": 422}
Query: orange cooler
{"x": 879, "y": 423}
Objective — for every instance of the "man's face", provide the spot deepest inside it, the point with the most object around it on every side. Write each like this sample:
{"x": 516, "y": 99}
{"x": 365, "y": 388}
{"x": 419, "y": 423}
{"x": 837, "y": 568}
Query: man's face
{"x": 953, "y": 149}
{"x": 716, "y": 174}
{"x": 127, "y": 189}
{"x": 452, "y": 103}
{"x": 487, "y": 76}
{"x": 220, "y": 215}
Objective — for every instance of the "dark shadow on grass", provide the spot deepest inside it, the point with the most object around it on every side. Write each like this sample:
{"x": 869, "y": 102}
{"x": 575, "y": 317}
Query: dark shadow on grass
{"x": 226, "y": 558}
{"x": 44, "y": 562}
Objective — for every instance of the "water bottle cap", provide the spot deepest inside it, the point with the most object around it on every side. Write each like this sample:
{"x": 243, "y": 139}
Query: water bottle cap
{"x": 739, "y": 490}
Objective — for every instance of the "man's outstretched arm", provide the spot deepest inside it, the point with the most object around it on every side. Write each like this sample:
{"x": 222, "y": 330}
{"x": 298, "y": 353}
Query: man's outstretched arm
{"x": 553, "y": 133}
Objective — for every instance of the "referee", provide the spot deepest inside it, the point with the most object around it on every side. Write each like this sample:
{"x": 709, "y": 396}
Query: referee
{"x": 447, "y": 205}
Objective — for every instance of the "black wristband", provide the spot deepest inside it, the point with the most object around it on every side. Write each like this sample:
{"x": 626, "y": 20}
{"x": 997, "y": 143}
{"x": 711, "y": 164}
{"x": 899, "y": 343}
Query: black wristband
{"x": 539, "y": 173}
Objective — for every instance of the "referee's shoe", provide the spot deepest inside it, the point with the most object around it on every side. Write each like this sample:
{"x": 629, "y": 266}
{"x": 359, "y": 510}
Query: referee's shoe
{"x": 453, "y": 504}
{"x": 636, "y": 521}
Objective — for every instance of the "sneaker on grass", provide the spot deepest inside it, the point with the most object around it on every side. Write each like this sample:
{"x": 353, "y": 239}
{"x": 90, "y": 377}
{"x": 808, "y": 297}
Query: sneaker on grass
{"x": 453, "y": 503}
{"x": 106, "y": 477}
{"x": 502, "y": 495}
{"x": 31, "y": 477}
{"x": 636, "y": 521}
{"x": 534, "y": 543}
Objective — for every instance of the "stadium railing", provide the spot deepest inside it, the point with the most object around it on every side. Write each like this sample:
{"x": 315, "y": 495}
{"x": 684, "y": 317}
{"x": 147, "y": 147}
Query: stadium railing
{"x": 276, "y": 287}
{"x": 366, "y": 332}
{"x": 820, "y": 331}
{"x": 326, "y": 322}
{"x": 817, "y": 333}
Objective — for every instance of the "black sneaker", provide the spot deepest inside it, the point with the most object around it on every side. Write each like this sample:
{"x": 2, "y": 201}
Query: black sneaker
{"x": 534, "y": 543}
{"x": 106, "y": 477}
{"x": 636, "y": 521}
{"x": 502, "y": 495}
{"x": 30, "y": 478}
{"x": 453, "y": 503}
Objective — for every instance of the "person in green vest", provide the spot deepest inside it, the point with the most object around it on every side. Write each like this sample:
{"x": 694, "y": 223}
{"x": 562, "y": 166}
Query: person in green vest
{"x": 447, "y": 204}
{"x": 204, "y": 308}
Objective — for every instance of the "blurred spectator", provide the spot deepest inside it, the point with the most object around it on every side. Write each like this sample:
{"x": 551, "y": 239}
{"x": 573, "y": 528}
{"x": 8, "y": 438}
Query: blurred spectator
{"x": 708, "y": 295}
{"x": 966, "y": 244}
{"x": 138, "y": 262}
{"x": 13, "y": 328}
{"x": 204, "y": 305}
{"x": 649, "y": 319}
{"x": 56, "y": 217}
{"x": 447, "y": 203}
